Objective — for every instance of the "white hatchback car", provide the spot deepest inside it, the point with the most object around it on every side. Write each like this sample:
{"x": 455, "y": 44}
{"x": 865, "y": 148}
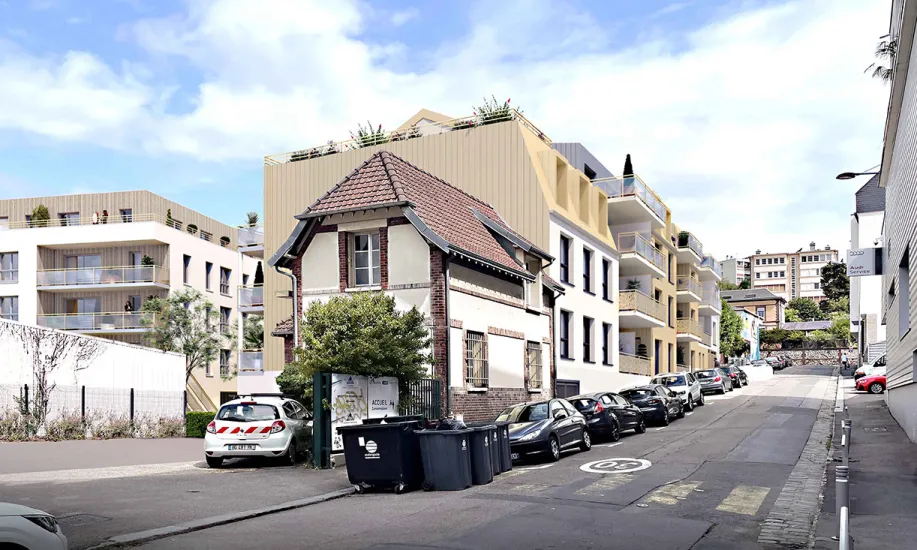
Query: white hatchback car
{"x": 259, "y": 425}
{"x": 685, "y": 384}
{"x": 29, "y": 529}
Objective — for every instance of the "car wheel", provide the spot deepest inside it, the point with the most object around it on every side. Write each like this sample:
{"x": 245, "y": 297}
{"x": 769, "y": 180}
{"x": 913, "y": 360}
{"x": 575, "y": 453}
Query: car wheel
{"x": 876, "y": 387}
{"x": 289, "y": 457}
{"x": 587, "y": 441}
{"x": 641, "y": 426}
{"x": 690, "y": 403}
{"x": 722, "y": 389}
{"x": 665, "y": 418}
{"x": 738, "y": 384}
{"x": 615, "y": 432}
{"x": 681, "y": 411}
{"x": 214, "y": 462}
{"x": 554, "y": 448}
{"x": 701, "y": 402}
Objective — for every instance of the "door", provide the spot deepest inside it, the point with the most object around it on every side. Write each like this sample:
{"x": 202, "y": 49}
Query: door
{"x": 658, "y": 350}
{"x": 562, "y": 422}
{"x": 295, "y": 422}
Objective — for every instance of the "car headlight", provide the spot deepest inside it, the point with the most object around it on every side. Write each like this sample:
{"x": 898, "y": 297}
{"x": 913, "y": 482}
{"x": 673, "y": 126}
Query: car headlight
{"x": 529, "y": 436}
{"x": 48, "y": 523}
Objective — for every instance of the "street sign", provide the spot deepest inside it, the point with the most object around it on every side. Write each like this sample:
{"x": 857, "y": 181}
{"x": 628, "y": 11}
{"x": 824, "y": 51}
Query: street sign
{"x": 616, "y": 466}
{"x": 863, "y": 262}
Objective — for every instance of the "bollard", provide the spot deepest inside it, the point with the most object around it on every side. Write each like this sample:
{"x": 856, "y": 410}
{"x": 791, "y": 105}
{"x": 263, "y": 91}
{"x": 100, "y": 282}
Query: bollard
{"x": 847, "y": 428}
{"x": 845, "y": 539}
{"x": 841, "y": 493}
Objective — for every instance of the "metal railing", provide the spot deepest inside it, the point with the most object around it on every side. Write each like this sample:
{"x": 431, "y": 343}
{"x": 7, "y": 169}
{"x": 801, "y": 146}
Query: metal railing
{"x": 464, "y": 123}
{"x": 640, "y": 245}
{"x": 709, "y": 262}
{"x": 689, "y": 241}
{"x": 634, "y": 300}
{"x": 251, "y": 236}
{"x": 689, "y": 284}
{"x": 635, "y": 364}
{"x": 92, "y": 321}
{"x": 251, "y": 296}
{"x": 103, "y": 275}
{"x": 251, "y": 360}
{"x": 633, "y": 187}
{"x": 114, "y": 219}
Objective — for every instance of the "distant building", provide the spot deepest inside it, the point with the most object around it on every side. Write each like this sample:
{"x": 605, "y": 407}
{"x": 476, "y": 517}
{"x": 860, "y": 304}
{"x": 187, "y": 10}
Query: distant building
{"x": 736, "y": 270}
{"x": 866, "y": 292}
{"x": 751, "y": 331}
{"x": 763, "y": 303}
{"x": 792, "y": 275}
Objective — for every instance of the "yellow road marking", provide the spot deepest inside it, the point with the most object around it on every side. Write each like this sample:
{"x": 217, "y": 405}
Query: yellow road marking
{"x": 671, "y": 494}
{"x": 606, "y": 484}
{"x": 744, "y": 499}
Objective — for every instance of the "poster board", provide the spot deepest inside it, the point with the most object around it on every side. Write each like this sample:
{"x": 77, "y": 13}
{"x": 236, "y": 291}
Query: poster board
{"x": 355, "y": 398}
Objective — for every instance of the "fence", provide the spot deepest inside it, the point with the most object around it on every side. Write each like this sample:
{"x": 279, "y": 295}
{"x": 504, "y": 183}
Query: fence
{"x": 426, "y": 399}
{"x": 90, "y": 403}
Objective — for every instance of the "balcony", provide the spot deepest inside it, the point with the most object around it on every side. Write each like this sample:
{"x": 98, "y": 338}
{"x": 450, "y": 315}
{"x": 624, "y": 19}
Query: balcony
{"x": 710, "y": 269}
{"x": 251, "y": 299}
{"x": 103, "y": 278}
{"x": 689, "y": 330}
{"x": 690, "y": 250}
{"x": 251, "y": 361}
{"x": 94, "y": 323}
{"x": 634, "y": 364}
{"x": 637, "y": 310}
{"x": 630, "y": 200}
{"x": 689, "y": 289}
{"x": 639, "y": 256}
{"x": 711, "y": 305}
{"x": 251, "y": 241}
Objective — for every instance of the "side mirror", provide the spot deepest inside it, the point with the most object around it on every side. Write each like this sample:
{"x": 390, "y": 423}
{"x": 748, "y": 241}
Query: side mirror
{"x": 559, "y": 414}
{"x": 673, "y": 394}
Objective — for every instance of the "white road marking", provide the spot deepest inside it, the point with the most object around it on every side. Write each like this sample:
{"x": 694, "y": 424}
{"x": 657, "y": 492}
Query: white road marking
{"x": 93, "y": 474}
{"x": 744, "y": 499}
{"x": 689, "y": 414}
{"x": 662, "y": 428}
{"x": 542, "y": 467}
{"x": 613, "y": 444}
{"x": 671, "y": 494}
{"x": 616, "y": 466}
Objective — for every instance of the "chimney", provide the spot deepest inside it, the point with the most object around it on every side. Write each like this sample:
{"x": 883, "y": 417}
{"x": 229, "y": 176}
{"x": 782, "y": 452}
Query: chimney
{"x": 758, "y": 251}
{"x": 827, "y": 247}
{"x": 812, "y": 245}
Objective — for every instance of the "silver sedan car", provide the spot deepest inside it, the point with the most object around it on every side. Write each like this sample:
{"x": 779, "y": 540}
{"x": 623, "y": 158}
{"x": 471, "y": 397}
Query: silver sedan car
{"x": 29, "y": 529}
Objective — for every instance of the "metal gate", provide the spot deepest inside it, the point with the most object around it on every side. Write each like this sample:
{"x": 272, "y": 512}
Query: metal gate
{"x": 425, "y": 398}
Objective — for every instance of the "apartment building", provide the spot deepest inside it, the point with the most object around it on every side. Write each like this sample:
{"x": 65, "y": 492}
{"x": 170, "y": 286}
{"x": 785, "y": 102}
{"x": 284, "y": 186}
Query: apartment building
{"x": 866, "y": 315}
{"x": 736, "y": 270}
{"x": 792, "y": 275}
{"x": 91, "y": 266}
{"x": 769, "y": 307}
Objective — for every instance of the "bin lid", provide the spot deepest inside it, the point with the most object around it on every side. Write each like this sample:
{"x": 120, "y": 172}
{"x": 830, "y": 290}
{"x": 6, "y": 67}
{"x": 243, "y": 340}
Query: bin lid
{"x": 484, "y": 428}
{"x": 442, "y": 432}
{"x": 363, "y": 427}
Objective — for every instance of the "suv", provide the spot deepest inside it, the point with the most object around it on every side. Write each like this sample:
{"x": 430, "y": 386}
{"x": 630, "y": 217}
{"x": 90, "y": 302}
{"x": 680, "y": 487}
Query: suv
{"x": 258, "y": 425}
{"x": 685, "y": 384}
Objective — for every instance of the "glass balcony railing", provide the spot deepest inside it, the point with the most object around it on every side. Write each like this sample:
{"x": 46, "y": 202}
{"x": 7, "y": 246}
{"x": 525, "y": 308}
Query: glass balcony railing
{"x": 689, "y": 284}
{"x": 251, "y": 236}
{"x": 635, "y": 364}
{"x": 92, "y": 321}
{"x": 688, "y": 241}
{"x": 638, "y": 244}
{"x": 709, "y": 262}
{"x": 251, "y": 360}
{"x": 712, "y": 299}
{"x": 633, "y": 187}
{"x": 634, "y": 300}
{"x": 251, "y": 296}
{"x": 136, "y": 274}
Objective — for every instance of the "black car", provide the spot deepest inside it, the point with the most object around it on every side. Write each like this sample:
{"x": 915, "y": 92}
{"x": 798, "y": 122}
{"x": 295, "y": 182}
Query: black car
{"x": 601, "y": 417}
{"x": 628, "y": 415}
{"x": 656, "y": 402}
{"x": 545, "y": 428}
{"x": 737, "y": 375}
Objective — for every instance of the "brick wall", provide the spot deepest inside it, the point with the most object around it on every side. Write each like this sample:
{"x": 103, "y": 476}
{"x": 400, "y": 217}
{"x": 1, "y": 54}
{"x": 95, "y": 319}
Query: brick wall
{"x": 287, "y": 349}
{"x": 383, "y": 257}
{"x": 474, "y": 406}
{"x": 342, "y": 261}
{"x": 438, "y": 314}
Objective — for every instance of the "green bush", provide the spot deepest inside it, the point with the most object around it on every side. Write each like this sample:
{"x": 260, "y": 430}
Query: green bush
{"x": 196, "y": 423}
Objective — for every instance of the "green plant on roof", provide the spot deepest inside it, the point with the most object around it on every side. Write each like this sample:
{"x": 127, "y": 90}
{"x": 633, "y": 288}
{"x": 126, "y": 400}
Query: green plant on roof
{"x": 367, "y": 137}
{"x": 493, "y": 111}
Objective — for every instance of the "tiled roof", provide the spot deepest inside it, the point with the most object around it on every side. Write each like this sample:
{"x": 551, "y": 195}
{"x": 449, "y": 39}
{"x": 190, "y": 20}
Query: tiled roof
{"x": 373, "y": 183}
{"x": 283, "y": 328}
{"x": 870, "y": 197}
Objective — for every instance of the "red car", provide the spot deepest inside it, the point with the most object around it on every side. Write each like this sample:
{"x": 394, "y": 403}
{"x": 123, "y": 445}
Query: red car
{"x": 873, "y": 383}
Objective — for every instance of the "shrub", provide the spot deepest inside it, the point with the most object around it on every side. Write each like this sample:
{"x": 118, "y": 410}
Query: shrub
{"x": 196, "y": 423}
{"x": 68, "y": 426}
{"x": 171, "y": 426}
{"x": 12, "y": 426}
{"x": 113, "y": 427}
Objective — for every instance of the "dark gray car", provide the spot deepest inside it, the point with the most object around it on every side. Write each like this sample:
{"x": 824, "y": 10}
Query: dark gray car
{"x": 714, "y": 381}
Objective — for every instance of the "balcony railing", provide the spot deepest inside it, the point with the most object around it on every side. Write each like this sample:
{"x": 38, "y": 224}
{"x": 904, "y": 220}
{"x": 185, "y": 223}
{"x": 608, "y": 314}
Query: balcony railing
{"x": 634, "y": 364}
{"x": 92, "y": 321}
{"x": 103, "y": 275}
{"x": 712, "y": 299}
{"x": 251, "y": 296}
{"x": 688, "y": 241}
{"x": 634, "y": 300}
{"x": 709, "y": 262}
{"x": 638, "y": 244}
{"x": 690, "y": 284}
{"x": 464, "y": 123}
{"x": 251, "y": 360}
{"x": 251, "y": 236}
{"x": 632, "y": 187}
{"x": 115, "y": 219}
{"x": 690, "y": 326}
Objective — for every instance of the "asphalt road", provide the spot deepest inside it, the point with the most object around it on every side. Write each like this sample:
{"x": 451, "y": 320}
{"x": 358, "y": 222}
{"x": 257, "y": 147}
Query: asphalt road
{"x": 713, "y": 477}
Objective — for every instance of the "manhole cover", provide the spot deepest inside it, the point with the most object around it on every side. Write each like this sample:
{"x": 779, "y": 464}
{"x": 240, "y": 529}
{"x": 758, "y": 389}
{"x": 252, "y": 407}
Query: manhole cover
{"x": 879, "y": 429}
{"x": 80, "y": 519}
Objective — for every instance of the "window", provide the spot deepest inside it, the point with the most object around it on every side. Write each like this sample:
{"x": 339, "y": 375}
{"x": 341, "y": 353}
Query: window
{"x": 533, "y": 357}
{"x": 557, "y": 409}
{"x": 533, "y": 289}
{"x": 904, "y": 294}
{"x": 245, "y": 279}
{"x": 208, "y": 268}
{"x": 587, "y": 339}
{"x": 564, "y": 259}
{"x": 590, "y": 173}
{"x": 587, "y": 270}
{"x": 757, "y": 275}
{"x": 136, "y": 303}
{"x": 127, "y": 215}
{"x": 606, "y": 344}
{"x": 207, "y": 371}
{"x": 782, "y": 261}
{"x": 475, "y": 360}
{"x": 9, "y": 308}
{"x": 565, "y": 317}
{"x": 224, "y": 280}
{"x": 69, "y": 218}
{"x": 28, "y": 222}
{"x": 206, "y": 236}
{"x": 759, "y": 311}
{"x": 671, "y": 317}
{"x": 9, "y": 267}
{"x": 224, "y": 362}
{"x": 566, "y": 388}
{"x": 225, "y": 312}
{"x": 186, "y": 269}
{"x": 757, "y": 261}
{"x": 672, "y": 268}
{"x": 365, "y": 266}
{"x": 606, "y": 275}
{"x": 83, "y": 305}
{"x": 817, "y": 286}
{"x": 783, "y": 273}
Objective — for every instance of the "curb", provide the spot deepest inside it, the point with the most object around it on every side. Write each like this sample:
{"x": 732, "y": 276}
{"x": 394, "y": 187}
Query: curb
{"x": 131, "y": 539}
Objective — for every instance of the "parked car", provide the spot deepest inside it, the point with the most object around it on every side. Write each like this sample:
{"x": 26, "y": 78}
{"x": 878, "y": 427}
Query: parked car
{"x": 873, "y": 383}
{"x": 685, "y": 384}
{"x": 656, "y": 402}
{"x": 775, "y": 363}
{"x": 714, "y": 381}
{"x": 545, "y": 428}
{"x": 738, "y": 376}
{"x": 787, "y": 361}
{"x": 868, "y": 369}
{"x": 600, "y": 421}
{"x": 24, "y": 528}
{"x": 628, "y": 415}
{"x": 258, "y": 426}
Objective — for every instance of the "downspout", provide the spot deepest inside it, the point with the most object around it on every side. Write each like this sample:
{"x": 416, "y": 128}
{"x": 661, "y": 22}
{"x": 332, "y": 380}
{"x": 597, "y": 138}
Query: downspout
{"x": 295, "y": 305}
{"x": 448, "y": 388}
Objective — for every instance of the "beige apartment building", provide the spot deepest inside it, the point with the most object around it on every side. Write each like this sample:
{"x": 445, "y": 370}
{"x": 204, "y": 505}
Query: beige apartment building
{"x": 769, "y": 307}
{"x": 792, "y": 275}
{"x": 91, "y": 266}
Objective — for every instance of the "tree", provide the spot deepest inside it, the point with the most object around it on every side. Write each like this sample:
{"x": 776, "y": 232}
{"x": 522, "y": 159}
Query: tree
{"x": 886, "y": 51}
{"x": 841, "y": 305}
{"x": 726, "y": 285}
{"x": 834, "y": 281}
{"x": 628, "y": 168}
{"x": 40, "y": 216}
{"x": 840, "y": 327}
{"x": 731, "y": 341}
{"x": 185, "y": 322}
{"x": 251, "y": 219}
{"x": 791, "y": 316}
{"x": 745, "y": 284}
{"x": 259, "y": 275}
{"x": 253, "y": 332}
{"x": 806, "y": 309}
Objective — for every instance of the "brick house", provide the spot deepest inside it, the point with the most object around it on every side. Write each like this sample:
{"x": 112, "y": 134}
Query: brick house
{"x": 391, "y": 227}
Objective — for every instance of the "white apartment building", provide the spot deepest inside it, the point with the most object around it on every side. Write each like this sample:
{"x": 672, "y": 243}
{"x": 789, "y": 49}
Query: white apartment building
{"x": 866, "y": 313}
{"x": 736, "y": 270}
{"x": 92, "y": 265}
{"x": 792, "y": 275}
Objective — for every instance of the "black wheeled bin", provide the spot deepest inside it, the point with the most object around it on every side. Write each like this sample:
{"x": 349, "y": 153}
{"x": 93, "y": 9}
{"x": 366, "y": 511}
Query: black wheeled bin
{"x": 383, "y": 455}
{"x": 496, "y": 451}
{"x": 395, "y": 419}
{"x": 446, "y": 459}
{"x": 506, "y": 457}
{"x": 482, "y": 470}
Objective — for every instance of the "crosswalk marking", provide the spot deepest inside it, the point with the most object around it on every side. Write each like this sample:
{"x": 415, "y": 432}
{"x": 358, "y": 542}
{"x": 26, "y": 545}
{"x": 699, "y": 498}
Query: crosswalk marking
{"x": 606, "y": 484}
{"x": 671, "y": 494}
{"x": 744, "y": 499}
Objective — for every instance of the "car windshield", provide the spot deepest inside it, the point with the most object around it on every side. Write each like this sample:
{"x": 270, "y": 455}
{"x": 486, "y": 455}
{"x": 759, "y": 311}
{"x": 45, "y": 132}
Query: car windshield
{"x": 525, "y": 413}
{"x": 670, "y": 380}
{"x": 637, "y": 393}
{"x": 248, "y": 413}
{"x": 582, "y": 404}
{"x": 706, "y": 374}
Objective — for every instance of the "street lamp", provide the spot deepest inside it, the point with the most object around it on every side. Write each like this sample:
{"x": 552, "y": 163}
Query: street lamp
{"x": 851, "y": 175}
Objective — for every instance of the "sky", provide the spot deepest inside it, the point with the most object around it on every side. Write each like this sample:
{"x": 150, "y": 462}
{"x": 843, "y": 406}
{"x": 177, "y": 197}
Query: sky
{"x": 738, "y": 113}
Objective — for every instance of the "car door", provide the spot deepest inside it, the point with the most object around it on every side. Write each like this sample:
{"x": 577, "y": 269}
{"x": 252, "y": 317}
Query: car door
{"x": 693, "y": 387}
{"x": 626, "y": 412}
{"x": 561, "y": 422}
{"x": 305, "y": 427}
{"x": 667, "y": 399}
{"x": 577, "y": 422}
{"x": 612, "y": 408}
{"x": 289, "y": 411}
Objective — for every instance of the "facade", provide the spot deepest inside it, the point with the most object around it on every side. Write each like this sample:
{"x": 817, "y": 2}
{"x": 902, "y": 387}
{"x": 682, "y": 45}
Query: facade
{"x": 99, "y": 257}
{"x": 899, "y": 178}
{"x": 769, "y": 307}
{"x": 736, "y": 270}
{"x": 792, "y": 275}
{"x": 390, "y": 227}
{"x": 751, "y": 332}
{"x": 866, "y": 292}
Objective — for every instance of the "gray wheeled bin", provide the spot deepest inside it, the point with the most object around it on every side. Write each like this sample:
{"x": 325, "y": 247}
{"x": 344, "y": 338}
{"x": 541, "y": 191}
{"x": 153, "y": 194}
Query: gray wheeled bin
{"x": 446, "y": 459}
{"x": 496, "y": 451}
{"x": 482, "y": 471}
{"x": 383, "y": 455}
{"x": 506, "y": 457}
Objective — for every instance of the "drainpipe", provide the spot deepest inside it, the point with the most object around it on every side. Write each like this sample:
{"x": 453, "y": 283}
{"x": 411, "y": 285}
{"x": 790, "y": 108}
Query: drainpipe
{"x": 448, "y": 388}
{"x": 295, "y": 305}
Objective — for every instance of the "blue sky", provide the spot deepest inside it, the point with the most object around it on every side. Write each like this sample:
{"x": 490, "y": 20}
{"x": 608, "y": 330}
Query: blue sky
{"x": 738, "y": 113}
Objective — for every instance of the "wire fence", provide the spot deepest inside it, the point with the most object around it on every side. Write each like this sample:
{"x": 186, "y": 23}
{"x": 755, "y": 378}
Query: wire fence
{"x": 89, "y": 402}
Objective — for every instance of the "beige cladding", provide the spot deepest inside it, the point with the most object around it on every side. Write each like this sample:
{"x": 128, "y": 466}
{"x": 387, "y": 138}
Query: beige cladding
{"x": 111, "y": 256}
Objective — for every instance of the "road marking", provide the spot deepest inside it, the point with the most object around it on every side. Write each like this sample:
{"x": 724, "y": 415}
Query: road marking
{"x": 95, "y": 474}
{"x": 616, "y": 466}
{"x": 542, "y": 467}
{"x": 671, "y": 494}
{"x": 605, "y": 484}
{"x": 614, "y": 444}
{"x": 689, "y": 414}
{"x": 744, "y": 499}
{"x": 662, "y": 428}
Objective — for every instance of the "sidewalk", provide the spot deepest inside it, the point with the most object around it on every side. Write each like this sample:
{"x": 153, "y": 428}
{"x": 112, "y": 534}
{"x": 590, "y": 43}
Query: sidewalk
{"x": 883, "y": 478}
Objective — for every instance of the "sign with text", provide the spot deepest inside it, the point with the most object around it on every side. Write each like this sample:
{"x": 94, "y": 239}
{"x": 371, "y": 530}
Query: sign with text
{"x": 863, "y": 262}
{"x": 356, "y": 398}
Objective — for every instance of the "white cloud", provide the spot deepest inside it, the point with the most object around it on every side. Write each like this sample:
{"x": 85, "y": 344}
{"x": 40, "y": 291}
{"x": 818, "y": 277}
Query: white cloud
{"x": 401, "y": 17}
{"x": 77, "y": 20}
{"x": 740, "y": 125}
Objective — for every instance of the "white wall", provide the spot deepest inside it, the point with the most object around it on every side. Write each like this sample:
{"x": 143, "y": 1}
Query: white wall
{"x": 408, "y": 256}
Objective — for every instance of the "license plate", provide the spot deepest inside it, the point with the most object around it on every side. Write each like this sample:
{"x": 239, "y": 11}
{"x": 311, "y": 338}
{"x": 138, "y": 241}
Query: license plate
{"x": 514, "y": 456}
{"x": 242, "y": 447}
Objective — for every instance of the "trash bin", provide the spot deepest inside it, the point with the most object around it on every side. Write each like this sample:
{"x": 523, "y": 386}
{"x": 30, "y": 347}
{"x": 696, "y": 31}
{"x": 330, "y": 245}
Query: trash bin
{"x": 496, "y": 460}
{"x": 446, "y": 459}
{"x": 383, "y": 455}
{"x": 482, "y": 471}
{"x": 506, "y": 457}
{"x": 395, "y": 419}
